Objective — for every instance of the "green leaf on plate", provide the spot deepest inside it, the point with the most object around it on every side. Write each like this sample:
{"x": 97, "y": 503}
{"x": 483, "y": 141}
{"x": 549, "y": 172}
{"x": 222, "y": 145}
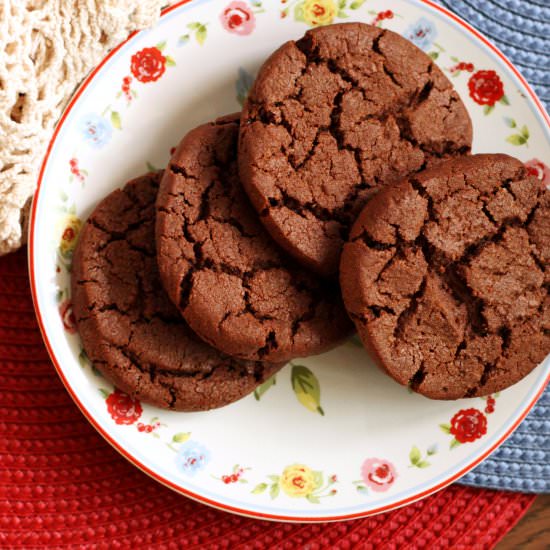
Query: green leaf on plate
{"x": 432, "y": 449}
{"x": 524, "y": 131}
{"x": 356, "y": 4}
{"x": 83, "y": 358}
{"x": 262, "y": 388}
{"x": 201, "y": 34}
{"x": 115, "y": 120}
{"x": 455, "y": 59}
{"x": 510, "y": 122}
{"x": 488, "y": 109}
{"x": 170, "y": 61}
{"x": 307, "y": 389}
{"x": 161, "y": 45}
{"x": 445, "y": 428}
{"x": 96, "y": 372}
{"x": 181, "y": 437}
{"x": 313, "y": 499}
{"x": 342, "y": 4}
{"x": 414, "y": 455}
{"x": 423, "y": 464}
{"x": 356, "y": 341}
{"x": 516, "y": 139}
{"x": 193, "y": 26}
{"x": 342, "y": 14}
{"x": 433, "y": 55}
{"x": 183, "y": 39}
{"x": 318, "y": 478}
{"x": 104, "y": 393}
{"x": 260, "y": 488}
{"x": 504, "y": 100}
{"x": 274, "y": 491}
{"x": 454, "y": 443}
{"x": 151, "y": 167}
{"x": 298, "y": 13}
{"x": 274, "y": 478}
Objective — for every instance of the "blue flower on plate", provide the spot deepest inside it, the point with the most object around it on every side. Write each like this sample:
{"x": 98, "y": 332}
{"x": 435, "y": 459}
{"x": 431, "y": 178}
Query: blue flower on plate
{"x": 192, "y": 457}
{"x": 422, "y": 33}
{"x": 95, "y": 129}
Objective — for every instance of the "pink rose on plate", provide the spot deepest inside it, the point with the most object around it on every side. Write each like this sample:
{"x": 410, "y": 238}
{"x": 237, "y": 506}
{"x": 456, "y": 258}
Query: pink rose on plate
{"x": 537, "y": 168}
{"x": 378, "y": 474}
{"x": 238, "y": 18}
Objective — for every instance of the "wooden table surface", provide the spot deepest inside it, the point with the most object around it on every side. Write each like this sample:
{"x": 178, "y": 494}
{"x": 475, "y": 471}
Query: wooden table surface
{"x": 533, "y": 530}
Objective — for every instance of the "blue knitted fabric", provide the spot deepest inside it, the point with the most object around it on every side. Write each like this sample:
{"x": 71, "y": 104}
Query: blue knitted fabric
{"x": 521, "y": 29}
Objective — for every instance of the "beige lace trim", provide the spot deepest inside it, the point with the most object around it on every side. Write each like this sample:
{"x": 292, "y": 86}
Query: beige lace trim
{"x": 46, "y": 48}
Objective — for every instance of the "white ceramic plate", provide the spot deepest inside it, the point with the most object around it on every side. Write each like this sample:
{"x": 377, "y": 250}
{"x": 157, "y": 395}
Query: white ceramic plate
{"x": 333, "y": 438}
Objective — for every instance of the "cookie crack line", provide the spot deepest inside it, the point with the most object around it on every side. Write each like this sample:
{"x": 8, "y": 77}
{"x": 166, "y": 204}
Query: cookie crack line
{"x": 269, "y": 117}
{"x": 180, "y": 170}
{"x": 154, "y": 372}
{"x": 418, "y": 377}
{"x": 121, "y": 236}
{"x": 270, "y": 344}
{"x": 342, "y": 215}
{"x": 411, "y": 309}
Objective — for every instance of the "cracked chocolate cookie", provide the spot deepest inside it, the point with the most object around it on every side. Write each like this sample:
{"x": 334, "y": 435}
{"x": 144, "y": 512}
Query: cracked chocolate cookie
{"x": 446, "y": 276}
{"x": 333, "y": 117}
{"x": 230, "y": 281}
{"x": 129, "y": 328}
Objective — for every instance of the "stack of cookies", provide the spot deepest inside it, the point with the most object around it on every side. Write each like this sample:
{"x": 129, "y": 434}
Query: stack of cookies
{"x": 347, "y": 174}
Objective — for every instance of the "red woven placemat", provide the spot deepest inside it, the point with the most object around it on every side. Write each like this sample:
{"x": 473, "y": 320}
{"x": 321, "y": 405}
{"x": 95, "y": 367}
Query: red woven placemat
{"x": 61, "y": 483}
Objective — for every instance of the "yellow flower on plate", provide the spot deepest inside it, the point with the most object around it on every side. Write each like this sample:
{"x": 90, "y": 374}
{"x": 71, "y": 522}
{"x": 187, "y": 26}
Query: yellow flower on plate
{"x": 316, "y": 12}
{"x": 298, "y": 481}
{"x": 69, "y": 228}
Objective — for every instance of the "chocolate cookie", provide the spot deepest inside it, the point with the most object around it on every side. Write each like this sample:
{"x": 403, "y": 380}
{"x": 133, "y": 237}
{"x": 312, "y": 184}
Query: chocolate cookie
{"x": 129, "y": 328}
{"x": 228, "y": 278}
{"x": 446, "y": 276}
{"x": 333, "y": 117}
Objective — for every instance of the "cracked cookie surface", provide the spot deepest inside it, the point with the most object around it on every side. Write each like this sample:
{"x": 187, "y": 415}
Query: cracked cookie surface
{"x": 129, "y": 328}
{"x": 234, "y": 286}
{"x": 446, "y": 276}
{"x": 333, "y": 117}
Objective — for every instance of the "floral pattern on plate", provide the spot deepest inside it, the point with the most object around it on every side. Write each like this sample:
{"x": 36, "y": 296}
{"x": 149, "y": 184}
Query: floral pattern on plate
{"x": 240, "y": 17}
{"x": 123, "y": 409}
{"x": 470, "y": 424}
{"x": 299, "y": 481}
{"x": 377, "y": 475}
{"x": 542, "y": 171}
{"x": 237, "y": 475}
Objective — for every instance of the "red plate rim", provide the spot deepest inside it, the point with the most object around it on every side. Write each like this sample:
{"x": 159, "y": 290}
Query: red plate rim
{"x": 136, "y": 462}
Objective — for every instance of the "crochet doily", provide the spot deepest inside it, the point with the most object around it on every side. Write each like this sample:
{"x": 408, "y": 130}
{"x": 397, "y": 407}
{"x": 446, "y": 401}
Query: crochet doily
{"x": 46, "y": 48}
